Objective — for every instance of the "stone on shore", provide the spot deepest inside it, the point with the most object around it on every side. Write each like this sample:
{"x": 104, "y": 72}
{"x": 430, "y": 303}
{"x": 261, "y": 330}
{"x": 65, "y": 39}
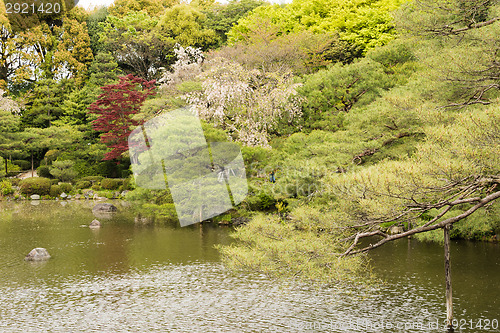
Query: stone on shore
{"x": 35, "y": 197}
{"x": 38, "y": 254}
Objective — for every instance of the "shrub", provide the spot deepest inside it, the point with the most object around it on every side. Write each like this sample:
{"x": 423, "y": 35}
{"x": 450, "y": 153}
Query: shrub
{"x": 66, "y": 187}
{"x": 111, "y": 184}
{"x": 14, "y": 181}
{"x": 83, "y": 184}
{"x": 127, "y": 185}
{"x": 54, "y": 181}
{"x": 55, "y": 191}
{"x": 261, "y": 202}
{"x": 63, "y": 170}
{"x": 96, "y": 187}
{"x": 44, "y": 171}
{"x": 6, "y": 187}
{"x": 51, "y": 155}
{"x": 35, "y": 185}
{"x": 92, "y": 179}
{"x": 24, "y": 165}
{"x": 12, "y": 168}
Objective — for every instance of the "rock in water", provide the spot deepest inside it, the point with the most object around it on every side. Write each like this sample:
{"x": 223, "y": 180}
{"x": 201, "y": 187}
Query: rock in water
{"x": 95, "y": 224}
{"x": 38, "y": 254}
{"x": 394, "y": 230}
{"x": 104, "y": 207}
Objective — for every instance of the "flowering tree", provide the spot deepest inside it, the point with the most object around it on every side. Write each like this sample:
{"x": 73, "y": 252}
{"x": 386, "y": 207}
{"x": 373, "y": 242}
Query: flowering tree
{"x": 186, "y": 67}
{"x": 249, "y": 104}
{"x": 115, "y": 108}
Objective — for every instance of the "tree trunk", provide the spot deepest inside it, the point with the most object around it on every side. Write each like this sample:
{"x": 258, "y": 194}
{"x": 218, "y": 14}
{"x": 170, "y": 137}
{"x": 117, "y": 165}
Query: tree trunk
{"x": 447, "y": 272}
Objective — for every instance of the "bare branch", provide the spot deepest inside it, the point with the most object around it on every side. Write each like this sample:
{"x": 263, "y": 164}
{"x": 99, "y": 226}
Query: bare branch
{"x": 482, "y": 202}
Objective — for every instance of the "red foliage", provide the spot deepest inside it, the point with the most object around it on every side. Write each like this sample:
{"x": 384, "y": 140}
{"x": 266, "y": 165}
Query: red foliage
{"x": 115, "y": 107}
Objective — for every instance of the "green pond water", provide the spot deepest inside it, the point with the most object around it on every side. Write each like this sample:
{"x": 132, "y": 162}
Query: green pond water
{"x": 131, "y": 277}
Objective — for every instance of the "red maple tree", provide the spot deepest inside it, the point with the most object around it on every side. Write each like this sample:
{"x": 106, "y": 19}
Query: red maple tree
{"x": 115, "y": 107}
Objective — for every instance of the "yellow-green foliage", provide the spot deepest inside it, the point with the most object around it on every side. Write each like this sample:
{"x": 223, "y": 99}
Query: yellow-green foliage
{"x": 35, "y": 185}
{"x": 6, "y": 187}
{"x": 367, "y": 24}
{"x": 111, "y": 184}
{"x": 410, "y": 142}
{"x": 277, "y": 248}
{"x": 55, "y": 191}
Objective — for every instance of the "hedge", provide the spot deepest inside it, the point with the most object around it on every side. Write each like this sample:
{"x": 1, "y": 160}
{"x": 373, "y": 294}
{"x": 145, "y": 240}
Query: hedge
{"x": 35, "y": 185}
{"x": 43, "y": 171}
{"x": 55, "y": 191}
{"x": 24, "y": 165}
{"x": 66, "y": 187}
{"x": 111, "y": 184}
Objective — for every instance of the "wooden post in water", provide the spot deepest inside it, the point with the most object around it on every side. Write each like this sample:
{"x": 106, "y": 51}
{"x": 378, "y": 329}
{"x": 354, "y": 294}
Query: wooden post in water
{"x": 447, "y": 272}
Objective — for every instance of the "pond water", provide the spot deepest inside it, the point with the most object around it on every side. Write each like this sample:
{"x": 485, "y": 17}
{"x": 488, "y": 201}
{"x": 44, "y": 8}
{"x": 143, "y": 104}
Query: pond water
{"x": 128, "y": 277}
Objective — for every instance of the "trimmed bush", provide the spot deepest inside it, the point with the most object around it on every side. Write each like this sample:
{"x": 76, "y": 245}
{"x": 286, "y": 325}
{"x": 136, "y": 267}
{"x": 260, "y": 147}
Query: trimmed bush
{"x": 96, "y": 187}
{"x": 24, "y": 165}
{"x": 35, "y": 185}
{"x": 51, "y": 155}
{"x": 63, "y": 170}
{"x": 44, "y": 171}
{"x": 83, "y": 184}
{"x": 66, "y": 187}
{"x": 111, "y": 184}
{"x": 54, "y": 181}
{"x": 55, "y": 191}
{"x": 14, "y": 181}
{"x": 92, "y": 179}
{"x": 127, "y": 184}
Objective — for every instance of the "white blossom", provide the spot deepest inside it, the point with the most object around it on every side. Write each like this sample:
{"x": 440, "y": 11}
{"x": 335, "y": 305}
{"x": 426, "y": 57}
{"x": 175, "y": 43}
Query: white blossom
{"x": 247, "y": 103}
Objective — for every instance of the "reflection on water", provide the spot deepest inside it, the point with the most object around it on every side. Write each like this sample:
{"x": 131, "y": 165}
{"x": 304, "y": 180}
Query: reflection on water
{"x": 135, "y": 278}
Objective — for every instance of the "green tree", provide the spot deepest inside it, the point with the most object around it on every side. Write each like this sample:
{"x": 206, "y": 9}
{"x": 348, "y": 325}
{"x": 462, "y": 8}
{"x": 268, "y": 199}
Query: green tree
{"x": 153, "y": 8}
{"x": 221, "y": 17}
{"x": 36, "y": 141}
{"x": 185, "y": 25}
{"x": 103, "y": 71}
{"x": 362, "y": 189}
{"x": 46, "y": 101}
{"x": 94, "y": 28}
{"x": 136, "y": 44}
{"x": 63, "y": 170}
{"x": 12, "y": 68}
{"x": 333, "y": 92}
{"x": 9, "y": 128}
{"x": 56, "y": 50}
{"x": 474, "y": 76}
{"x": 358, "y": 22}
